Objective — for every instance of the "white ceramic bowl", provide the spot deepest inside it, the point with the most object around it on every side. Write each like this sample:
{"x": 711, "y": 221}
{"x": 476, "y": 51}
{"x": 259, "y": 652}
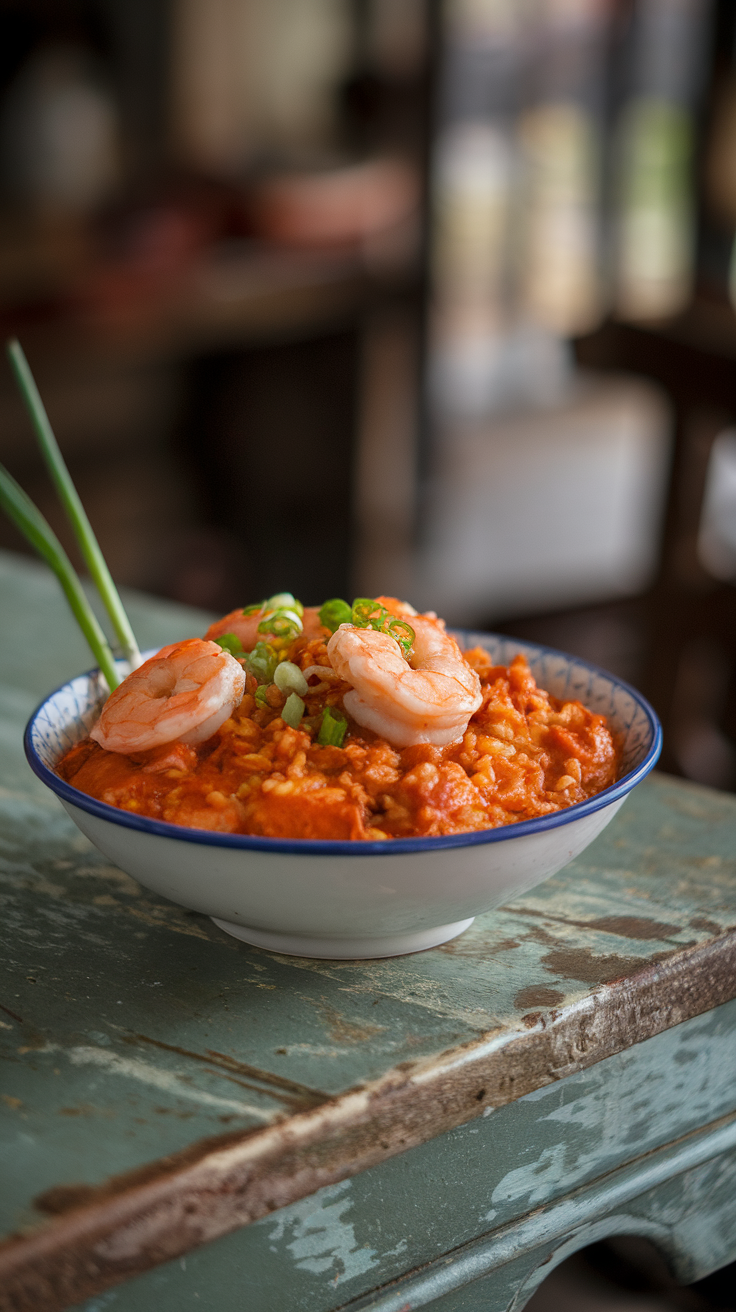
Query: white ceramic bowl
{"x": 342, "y": 899}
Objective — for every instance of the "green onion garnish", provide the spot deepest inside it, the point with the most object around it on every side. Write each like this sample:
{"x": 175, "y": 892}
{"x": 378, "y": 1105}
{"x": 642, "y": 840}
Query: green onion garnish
{"x": 281, "y": 623}
{"x": 284, "y": 601}
{"x": 293, "y": 711}
{"x": 403, "y": 633}
{"x": 260, "y": 696}
{"x": 334, "y": 613}
{"x": 282, "y": 615}
{"x": 261, "y": 662}
{"x": 21, "y": 510}
{"x": 332, "y": 729}
{"x": 231, "y": 642}
{"x": 289, "y": 678}
{"x": 279, "y": 601}
{"x": 366, "y": 613}
{"x": 69, "y": 497}
{"x": 370, "y": 614}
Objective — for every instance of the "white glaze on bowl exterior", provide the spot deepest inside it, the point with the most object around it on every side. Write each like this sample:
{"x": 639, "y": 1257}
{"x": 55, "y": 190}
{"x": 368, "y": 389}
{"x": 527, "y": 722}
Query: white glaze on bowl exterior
{"x": 341, "y": 899}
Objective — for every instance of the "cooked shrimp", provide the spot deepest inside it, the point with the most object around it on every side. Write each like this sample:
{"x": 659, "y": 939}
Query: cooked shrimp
{"x": 428, "y": 700}
{"x": 403, "y": 610}
{"x": 245, "y": 627}
{"x": 183, "y": 694}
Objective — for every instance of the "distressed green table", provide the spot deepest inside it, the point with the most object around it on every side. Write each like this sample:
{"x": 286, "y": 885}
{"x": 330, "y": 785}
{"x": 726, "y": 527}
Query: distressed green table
{"x": 189, "y": 1122}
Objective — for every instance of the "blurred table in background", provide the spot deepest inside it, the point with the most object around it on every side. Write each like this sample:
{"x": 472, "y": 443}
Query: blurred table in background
{"x": 688, "y": 617}
{"x": 219, "y": 422}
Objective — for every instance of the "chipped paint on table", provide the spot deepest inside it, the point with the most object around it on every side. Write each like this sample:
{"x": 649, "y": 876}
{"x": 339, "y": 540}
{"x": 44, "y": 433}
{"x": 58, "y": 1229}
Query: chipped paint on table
{"x": 166, "y": 1084}
{"x": 642, "y": 1142}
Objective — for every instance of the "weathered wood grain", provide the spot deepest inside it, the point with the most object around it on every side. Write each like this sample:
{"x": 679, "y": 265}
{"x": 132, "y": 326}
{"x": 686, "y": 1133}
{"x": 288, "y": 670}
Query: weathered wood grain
{"x": 474, "y": 1188}
{"x": 166, "y": 1084}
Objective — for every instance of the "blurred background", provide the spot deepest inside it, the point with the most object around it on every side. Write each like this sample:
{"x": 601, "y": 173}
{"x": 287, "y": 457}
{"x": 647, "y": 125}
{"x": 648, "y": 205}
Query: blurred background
{"x": 425, "y": 297}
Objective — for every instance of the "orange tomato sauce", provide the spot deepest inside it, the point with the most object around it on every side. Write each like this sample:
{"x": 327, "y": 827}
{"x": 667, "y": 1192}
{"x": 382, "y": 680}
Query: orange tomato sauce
{"x": 524, "y": 754}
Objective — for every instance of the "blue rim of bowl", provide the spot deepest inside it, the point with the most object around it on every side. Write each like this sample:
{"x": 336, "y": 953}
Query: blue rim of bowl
{"x": 351, "y": 847}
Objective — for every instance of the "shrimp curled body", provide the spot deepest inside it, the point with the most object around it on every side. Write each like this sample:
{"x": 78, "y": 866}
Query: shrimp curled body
{"x": 183, "y": 694}
{"x": 429, "y": 700}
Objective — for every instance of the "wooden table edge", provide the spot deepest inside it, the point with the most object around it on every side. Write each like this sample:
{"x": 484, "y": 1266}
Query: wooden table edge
{"x": 136, "y": 1221}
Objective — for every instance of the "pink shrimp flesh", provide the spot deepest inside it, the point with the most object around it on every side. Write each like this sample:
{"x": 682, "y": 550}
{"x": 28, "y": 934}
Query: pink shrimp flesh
{"x": 183, "y": 694}
{"x": 429, "y": 699}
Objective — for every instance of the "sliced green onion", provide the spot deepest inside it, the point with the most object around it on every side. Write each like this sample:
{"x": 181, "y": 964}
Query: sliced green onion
{"x": 284, "y": 600}
{"x": 293, "y": 711}
{"x": 334, "y": 613}
{"x": 231, "y": 642}
{"x": 261, "y": 662}
{"x": 21, "y": 510}
{"x": 260, "y": 696}
{"x": 281, "y": 623}
{"x": 69, "y": 497}
{"x": 332, "y": 729}
{"x": 369, "y": 614}
{"x": 403, "y": 633}
{"x": 282, "y": 615}
{"x": 289, "y": 678}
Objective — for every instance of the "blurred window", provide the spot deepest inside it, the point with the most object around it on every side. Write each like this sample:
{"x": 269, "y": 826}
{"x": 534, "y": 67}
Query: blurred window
{"x": 717, "y": 536}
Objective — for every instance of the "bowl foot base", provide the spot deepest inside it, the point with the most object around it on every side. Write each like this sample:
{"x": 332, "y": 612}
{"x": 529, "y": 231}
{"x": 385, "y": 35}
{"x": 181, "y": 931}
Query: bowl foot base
{"x": 345, "y": 949}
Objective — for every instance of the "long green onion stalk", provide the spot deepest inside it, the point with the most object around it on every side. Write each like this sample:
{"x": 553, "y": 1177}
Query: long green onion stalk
{"x": 26, "y": 517}
{"x": 75, "y": 511}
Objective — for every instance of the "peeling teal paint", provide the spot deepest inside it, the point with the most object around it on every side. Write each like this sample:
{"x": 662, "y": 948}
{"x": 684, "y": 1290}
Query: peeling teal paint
{"x": 133, "y": 1029}
{"x": 319, "y": 1239}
